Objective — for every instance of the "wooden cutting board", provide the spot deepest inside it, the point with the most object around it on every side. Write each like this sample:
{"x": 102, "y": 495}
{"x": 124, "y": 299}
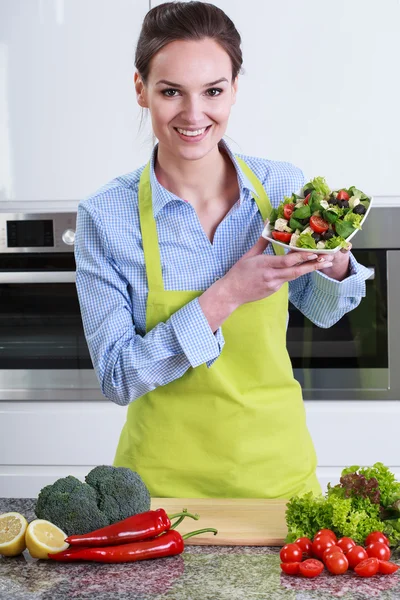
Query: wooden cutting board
{"x": 239, "y": 522}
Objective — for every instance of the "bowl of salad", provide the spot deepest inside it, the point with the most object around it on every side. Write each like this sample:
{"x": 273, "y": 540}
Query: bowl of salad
{"x": 318, "y": 218}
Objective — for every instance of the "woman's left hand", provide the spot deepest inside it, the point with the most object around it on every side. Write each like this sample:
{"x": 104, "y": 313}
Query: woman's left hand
{"x": 340, "y": 263}
{"x": 340, "y": 267}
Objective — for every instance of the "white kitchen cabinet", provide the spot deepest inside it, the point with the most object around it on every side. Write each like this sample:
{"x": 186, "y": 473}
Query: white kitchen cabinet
{"x": 69, "y": 120}
{"x": 42, "y": 441}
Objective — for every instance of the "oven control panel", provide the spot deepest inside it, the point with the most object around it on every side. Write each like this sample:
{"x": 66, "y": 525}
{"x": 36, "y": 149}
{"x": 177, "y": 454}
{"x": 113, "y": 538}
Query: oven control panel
{"x": 37, "y": 232}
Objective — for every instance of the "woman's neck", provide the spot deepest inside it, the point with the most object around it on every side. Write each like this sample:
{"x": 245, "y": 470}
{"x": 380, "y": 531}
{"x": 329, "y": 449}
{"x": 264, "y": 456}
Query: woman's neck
{"x": 196, "y": 181}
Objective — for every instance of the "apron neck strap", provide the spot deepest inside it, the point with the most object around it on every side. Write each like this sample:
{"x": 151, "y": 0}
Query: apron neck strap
{"x": 148, "y": 228}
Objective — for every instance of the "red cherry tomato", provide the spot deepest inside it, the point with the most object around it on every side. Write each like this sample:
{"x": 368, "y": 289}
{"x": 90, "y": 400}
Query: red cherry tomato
{"x": 311, "y": 567}
{"x": 282, "y": 236}
{"x": 287, "y": 210}
{"x": 318, "y": 224}
{"x": 305, "y": 544}
{"x": 291, "y": 553}
{"x": 307, "y": 198}
{"x": 387, "y": 568}
{"x": 320, "y": 544}
{"x": 378, "y": 550}
{"x": 342, "y": 195}
{"x": 326, "y": 532}
{"x": 376, "y": 536}
{"x": 331, "y": 550}
{"x": 355, "y": 555}
{"x": 290, "y": 568}
{"x": 345, "y": 544}
{"x": 336, "y": 563}
{"x": 367, "y": 568}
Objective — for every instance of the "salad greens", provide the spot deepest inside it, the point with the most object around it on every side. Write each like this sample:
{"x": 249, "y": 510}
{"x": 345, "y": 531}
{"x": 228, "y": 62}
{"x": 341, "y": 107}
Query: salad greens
{"x": 366, "y": 499}
{"x": 317, "y": 217}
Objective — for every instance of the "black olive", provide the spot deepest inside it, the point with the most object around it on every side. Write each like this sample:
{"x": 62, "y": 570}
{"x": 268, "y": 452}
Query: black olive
{"x": 344, "y": 203}
{"x": 307, "y": 191}
{"x": 333, "y": 201}
{"x": 303, "y": 221}
{"x": 359, "y": 209}
{"x": 317, "y": 236}
{"x": 328, "y": 234}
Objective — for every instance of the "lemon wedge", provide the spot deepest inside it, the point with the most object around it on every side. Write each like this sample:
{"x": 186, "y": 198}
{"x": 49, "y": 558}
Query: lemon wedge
{"x": 43, "y": 538}
{"x": 12, "y": 533}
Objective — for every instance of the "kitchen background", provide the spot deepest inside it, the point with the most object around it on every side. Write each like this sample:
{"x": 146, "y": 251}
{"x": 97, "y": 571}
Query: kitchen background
{"x": 319, "y": 90}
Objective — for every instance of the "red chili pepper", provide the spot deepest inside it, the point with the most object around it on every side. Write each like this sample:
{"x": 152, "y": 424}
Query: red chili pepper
{"x": 133, "y": 529}
{"x": 166, "y": 544}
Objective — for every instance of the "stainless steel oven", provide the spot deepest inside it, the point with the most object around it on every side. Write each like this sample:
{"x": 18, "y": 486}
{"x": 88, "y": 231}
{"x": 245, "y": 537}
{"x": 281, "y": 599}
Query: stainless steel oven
{"x": 43, "y": 352}
{"x": 359, "y": 357}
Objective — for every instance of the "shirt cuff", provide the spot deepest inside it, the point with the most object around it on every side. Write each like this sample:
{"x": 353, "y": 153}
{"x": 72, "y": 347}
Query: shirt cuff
{"x": 351, "y": 286}
{"x": 195, "y": 336}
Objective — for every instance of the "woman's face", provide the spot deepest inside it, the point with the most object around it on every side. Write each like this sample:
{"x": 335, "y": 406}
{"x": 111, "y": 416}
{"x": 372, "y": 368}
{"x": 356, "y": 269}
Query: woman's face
{"x": 189, "y": 93}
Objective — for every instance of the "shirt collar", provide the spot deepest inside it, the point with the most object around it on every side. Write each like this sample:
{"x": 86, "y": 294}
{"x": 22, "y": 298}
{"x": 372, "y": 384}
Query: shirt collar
{"x": 161, "y": 196}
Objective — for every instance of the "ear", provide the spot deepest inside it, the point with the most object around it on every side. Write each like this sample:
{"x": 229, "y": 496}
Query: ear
{"x": 235, "y": 88}
{"x": 140, "y": 88}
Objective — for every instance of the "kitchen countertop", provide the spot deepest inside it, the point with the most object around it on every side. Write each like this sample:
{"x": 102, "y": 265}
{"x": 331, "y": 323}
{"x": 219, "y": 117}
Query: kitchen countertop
{"x": 200, "y": 573}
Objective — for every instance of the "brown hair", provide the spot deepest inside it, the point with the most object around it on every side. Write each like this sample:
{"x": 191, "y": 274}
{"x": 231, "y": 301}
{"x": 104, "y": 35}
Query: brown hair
{"x": 173, "y": 21}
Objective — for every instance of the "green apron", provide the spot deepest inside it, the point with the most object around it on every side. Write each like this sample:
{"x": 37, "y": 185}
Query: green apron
{"x": 236, "y": 429}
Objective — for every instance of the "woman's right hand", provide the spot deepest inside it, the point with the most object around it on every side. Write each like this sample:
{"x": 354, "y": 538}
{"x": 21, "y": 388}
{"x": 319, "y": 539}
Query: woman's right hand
{"x": 253, "y": 277}
{"x": 257, "y": 275}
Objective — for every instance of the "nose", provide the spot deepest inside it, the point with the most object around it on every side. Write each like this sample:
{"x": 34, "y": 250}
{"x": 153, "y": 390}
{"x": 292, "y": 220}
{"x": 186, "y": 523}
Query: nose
{"x": 192, "y": 112}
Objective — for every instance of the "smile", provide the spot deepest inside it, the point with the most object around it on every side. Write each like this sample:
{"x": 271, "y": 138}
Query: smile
{"x": 192, "y": 135}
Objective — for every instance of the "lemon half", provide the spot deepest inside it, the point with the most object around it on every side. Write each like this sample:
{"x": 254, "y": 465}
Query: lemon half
{"x": 12, "y": 533}
{"x": 43, "y": 538}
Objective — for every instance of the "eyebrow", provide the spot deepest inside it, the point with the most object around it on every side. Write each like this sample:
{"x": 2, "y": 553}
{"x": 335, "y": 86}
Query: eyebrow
{"x": 177, "y": 85}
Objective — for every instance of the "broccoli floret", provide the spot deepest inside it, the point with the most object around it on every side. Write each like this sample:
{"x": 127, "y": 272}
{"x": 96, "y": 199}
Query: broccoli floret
{"x": 71, "y": 505}
{"x": 120, "y": 491}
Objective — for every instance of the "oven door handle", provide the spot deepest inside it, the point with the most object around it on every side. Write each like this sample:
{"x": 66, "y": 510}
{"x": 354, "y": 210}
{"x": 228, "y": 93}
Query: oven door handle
{"x": 372, "y": 271}
{"x": 37, "y": 277}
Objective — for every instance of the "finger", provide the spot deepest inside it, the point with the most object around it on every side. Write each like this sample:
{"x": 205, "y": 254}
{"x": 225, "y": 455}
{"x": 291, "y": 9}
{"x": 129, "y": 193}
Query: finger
{"x": 291, "y": 273}
{"x": 290, "y": 259}
{"x": 349, "y": 247}
{"x": 258, "y": 248}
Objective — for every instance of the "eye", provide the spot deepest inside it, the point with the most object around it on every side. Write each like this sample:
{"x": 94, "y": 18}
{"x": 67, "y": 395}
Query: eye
{"x": 169, "y": 93}
{"x": 213, "y": 92}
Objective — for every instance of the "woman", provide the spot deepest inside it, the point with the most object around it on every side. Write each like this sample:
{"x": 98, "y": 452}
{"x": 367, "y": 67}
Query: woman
{"x": 183, "y": 302}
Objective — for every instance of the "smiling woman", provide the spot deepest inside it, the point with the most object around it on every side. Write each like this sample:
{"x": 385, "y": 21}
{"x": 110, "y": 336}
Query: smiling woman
{"x": 184, "y": 304}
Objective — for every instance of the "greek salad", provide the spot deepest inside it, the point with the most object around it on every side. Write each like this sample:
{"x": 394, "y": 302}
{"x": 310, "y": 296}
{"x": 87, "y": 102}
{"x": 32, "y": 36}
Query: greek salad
{"x": 319, "y": 218}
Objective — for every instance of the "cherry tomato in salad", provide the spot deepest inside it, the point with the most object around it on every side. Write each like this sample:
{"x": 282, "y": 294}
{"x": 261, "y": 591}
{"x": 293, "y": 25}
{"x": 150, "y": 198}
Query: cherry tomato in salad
{"x": 290, "y": 568}
{"x": 367, "y": 568}
{"x": 305, "y": 544}
{"x": 318, "y": 224}
{"x": 311, "y": 567}
{"x": 355, "y": 555}
{"x": 326, "y": 532}
{"x": 291, "y": 553}
{"x": 342, "y": 195}
{"x": 307, "y": 198}
{"x": 320, "y": 544}
{"x": 376, "y": 536}
{"x": 336, "y": 563}
{"x": 345, "y": 543}
{"x": 287, "y": 210}
{"x": 331, "y": 550}
{"x": 282, "y": 236}
{"x": 378, "y": 550}
{"x": 387, "y": 568}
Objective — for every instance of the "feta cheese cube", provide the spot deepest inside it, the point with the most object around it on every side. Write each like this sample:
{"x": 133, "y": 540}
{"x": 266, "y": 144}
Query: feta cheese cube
{"x": 280, "y": 224}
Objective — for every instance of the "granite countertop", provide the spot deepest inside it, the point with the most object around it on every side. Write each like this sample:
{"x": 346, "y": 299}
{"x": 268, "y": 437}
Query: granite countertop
{"x": 200, "y": 573}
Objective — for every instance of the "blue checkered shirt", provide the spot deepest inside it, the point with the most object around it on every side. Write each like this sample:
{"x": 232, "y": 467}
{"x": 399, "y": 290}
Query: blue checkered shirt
{"x": 112, "y": 285}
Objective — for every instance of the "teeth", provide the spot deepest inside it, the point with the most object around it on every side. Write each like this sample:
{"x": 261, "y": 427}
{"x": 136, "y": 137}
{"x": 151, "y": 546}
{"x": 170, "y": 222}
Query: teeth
{"x": 191, "y": 133}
